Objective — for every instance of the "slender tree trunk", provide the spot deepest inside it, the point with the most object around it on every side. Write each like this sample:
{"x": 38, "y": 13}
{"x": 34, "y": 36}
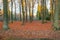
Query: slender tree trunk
{"x": 5, "y": 9}
{"x": 12, "y": 11}
{"x": 26, "y": 9}
{"x": 45, "y": 11}
{"x": 42, "y": 11}
{"x": 20, "y": 9}
{"x": 52, "y": 11}
{"x": 30, "y": 10}
{"x": 39, "y": 10}
{"x": 15, "y": 10}
{"x": 23, "y": 11}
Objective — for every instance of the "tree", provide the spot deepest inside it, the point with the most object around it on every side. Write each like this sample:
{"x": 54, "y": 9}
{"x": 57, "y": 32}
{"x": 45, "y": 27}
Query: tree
{"x": 33, "y": 2}
{"x": 12, "y": 11}
{"x": 20, "y": 8}
{"x": 39, "y": 10}
{"x": 43, "y": 9}
{"x": 5, "y": 10}
{"x": 30, "y": 10}
{"x": 15, "y": 10}
{"x": 56, "y": 15}
{"x": 26, "y": 9}
{"x": 52, "y": 10}
{"x": 43, "y": 15}
{"x": 23, "y": 4}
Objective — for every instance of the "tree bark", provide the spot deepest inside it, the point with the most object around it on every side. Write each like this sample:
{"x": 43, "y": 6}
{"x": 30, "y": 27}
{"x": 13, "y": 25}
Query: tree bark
{"x": 20, "y": 9}
{"x": 56, "y": 15}
{"x": 52, "y": 10}
{"x": 15, "y": 11}
{"x": 26, "y": 10}
{"x": 5, "y": 9}
{"x": 12, "y": 11}
{"x": 42, "y": 11}
{"x": 23, "y": 12}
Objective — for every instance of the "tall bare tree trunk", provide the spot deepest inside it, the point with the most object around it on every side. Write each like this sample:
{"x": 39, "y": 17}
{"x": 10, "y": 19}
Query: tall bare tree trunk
{"x": 20, "y": 8}
{"x": 52, "y": 10}
{"x": 15, "y": 10}
{"x": 56, "y": 15}
{"x": 42, "y": 11}
{"x": 22, "y": 1}
{"x": 45, "y": 9}
{"x": 30, "y": 10}
{"x": 5, "y": 9}
{"x": 26, "y": 9}
{"x": 39, "y": 10}
{"x": 12, "y": 11}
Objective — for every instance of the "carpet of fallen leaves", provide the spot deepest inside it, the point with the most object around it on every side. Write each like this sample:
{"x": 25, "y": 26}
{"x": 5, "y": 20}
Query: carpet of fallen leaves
{"x": 33, "y": 29}
{"x": 34, "y": 26}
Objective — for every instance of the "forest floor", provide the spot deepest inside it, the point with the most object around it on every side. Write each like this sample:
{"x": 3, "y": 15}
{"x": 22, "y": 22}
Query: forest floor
{"x": 29, "y": 31}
